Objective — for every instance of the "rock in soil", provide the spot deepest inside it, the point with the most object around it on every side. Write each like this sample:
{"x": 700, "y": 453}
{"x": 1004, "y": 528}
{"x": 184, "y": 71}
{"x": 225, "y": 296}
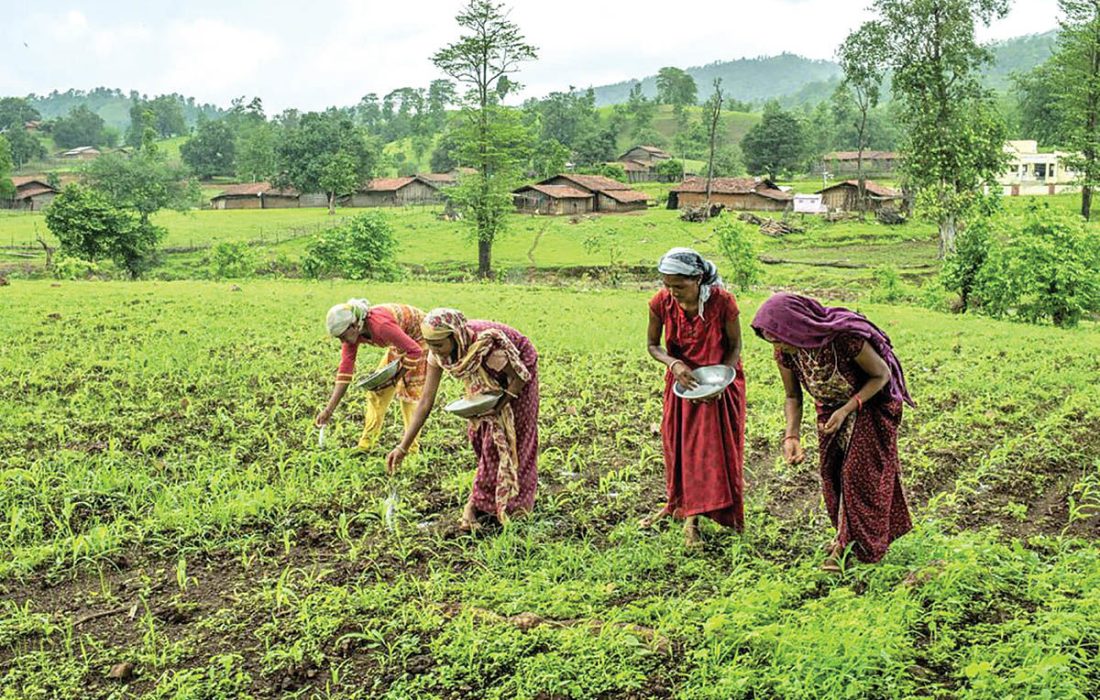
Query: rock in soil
{"x": 122, "y": 672}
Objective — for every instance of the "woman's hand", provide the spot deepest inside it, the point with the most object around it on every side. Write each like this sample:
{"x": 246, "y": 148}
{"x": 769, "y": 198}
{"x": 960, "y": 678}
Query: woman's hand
{"x": 323, "y": 417}
{"x": 836, "y": 420}
{"x": 394, "y": 459}
{"x": 792, "y": 450}
{"x": 683, "y": 374}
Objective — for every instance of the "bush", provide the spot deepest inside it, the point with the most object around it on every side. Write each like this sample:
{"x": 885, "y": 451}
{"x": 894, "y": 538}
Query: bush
{"x": 735, "y": 242}
{"x": 362, "y": 248}
{"x": 67, "y": 267}
{"x": 960, "y": 270}
{"x": 888, "y": 286}
{"x": 1047, "y": 269}
{"x": 671, "y": 169}
{"x": 231, "y": 260}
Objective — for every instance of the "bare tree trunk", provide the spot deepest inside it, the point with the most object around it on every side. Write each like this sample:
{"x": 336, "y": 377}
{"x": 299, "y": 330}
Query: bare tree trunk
{"x": 860, "y": 179}
{"x": 947, "y": 236}
{"x": 331, "y": 203}
{"x": 49, "y": 252}
{"x": 484, "y": 258}
{"x": 1086, "y": 202}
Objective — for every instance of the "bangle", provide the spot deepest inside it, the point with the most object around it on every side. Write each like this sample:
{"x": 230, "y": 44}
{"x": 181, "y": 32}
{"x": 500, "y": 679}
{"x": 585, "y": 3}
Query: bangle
{"x": 673, "y": 364}
{"x": 514, "y": 396}
{"x": 859, "y": 402}
{"x": 790, "y": 437}
{"x": 401, "y": 449}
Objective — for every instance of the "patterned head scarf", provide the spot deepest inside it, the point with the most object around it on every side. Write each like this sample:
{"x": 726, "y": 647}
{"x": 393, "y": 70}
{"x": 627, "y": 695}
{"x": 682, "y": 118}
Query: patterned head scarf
{"x": 688, "y": 263}
{"x": 442, "y": 322}
{"x": 804, "y": 323}
{"x": 343, "y": 316}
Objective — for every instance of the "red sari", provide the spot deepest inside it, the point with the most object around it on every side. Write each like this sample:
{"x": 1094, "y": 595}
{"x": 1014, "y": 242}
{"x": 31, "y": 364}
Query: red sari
{"x": 704, "y": 443}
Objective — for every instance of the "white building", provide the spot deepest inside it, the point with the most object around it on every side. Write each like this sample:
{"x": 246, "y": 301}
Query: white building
{"x": 1031, "y": 172}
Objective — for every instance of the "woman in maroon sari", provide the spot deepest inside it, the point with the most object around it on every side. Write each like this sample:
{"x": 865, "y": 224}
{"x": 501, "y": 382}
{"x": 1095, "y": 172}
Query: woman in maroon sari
{"x": 848, "y": 366}
{"x": 486, "y": 357}
{"x": 704, "y": 441}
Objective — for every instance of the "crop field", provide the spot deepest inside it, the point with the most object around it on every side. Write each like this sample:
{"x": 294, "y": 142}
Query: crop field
{"x": 167, "y": 514}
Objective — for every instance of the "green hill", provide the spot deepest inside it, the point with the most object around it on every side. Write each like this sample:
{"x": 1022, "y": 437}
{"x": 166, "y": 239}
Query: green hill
{"x": 112, "y": 105}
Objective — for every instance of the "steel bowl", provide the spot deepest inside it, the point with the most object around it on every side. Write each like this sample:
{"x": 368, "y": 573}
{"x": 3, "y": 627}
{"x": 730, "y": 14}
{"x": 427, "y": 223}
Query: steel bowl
{"x": 380, "y": 376}
{"x": 713, "y": 380}
{"x": 476, "y": 405}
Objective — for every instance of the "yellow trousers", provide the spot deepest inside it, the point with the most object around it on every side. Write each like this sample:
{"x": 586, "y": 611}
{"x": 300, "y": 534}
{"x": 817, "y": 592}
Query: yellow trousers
{"x": 375, "y": 416}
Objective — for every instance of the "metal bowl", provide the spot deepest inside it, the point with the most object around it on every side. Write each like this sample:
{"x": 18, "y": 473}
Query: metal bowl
{"x": 476, "y": 405}
{"x": 379, "y": 377}
{"x": 713, "y": 380}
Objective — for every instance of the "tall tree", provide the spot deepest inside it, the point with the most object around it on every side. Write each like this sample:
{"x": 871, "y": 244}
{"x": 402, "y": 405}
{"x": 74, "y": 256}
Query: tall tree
{"x": 1041, "y": 117}
{"x": 491, "y": 49}
{"x": 6, "y": 188}
{"x": 712, "y": 111}
{"x": 862, "y": 63}
{"x": 211, "y": 151}
{"x": 776, "y": 145}
{"x": 954, "y": 141}
{"x": 15, "y": 112}
{"x": 81, "y": 127}
{"x": 677, "y": 88}
{"x": 1076, "y": 75}
{"x": 314, "y": 141}
{"x": 25, "y": 146}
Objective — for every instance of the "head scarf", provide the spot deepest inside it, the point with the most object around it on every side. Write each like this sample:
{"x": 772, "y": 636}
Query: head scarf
{"x": 688, "y": 263}
{"x": 804, "y": 323}
{"x": 440, "y": 323}
{"x": 343, "y": 316}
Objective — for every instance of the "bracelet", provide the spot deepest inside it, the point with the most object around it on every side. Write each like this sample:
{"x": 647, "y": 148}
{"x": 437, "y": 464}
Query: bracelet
{"x": 859, "y": 402}
{"x": 673, "y": 364}
{"x": 791, "y": 437}
{"x": 514, "y": 396}
{"x": 401, "y": 449}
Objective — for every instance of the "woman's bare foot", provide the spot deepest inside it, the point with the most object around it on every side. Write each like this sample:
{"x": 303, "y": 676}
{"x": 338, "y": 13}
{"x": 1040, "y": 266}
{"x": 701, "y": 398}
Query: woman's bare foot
{"x": 692, "y": 538}
{"x": 469, "y": 522}
{"x": 832, "y": 561}
{"x": 651, "y": 520}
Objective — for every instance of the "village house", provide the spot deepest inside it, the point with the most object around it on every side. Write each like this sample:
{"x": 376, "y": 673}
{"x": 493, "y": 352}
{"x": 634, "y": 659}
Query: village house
{"x": 844, "y": 196}
{"x": 256, "y": 195}
{"x": 553, "y": 199}
{"x": 82, "y": 153}
{"x": 32, "y": 193}
{"x": 736, "y": 193}
{"x": 403, "y": 191}
{"x": 1030, "y": 172}
{"x": 602, "y": 194}
{"x": 842, "y": 163}
{"x": 640, "y": 163}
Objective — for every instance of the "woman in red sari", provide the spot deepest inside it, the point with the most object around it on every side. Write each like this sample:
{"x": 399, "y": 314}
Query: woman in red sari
{"x": 848, "y": 366}
{"x": 395, "y": 327}
{"x": 486, "y": 357}
{"x": 704, "y": 442}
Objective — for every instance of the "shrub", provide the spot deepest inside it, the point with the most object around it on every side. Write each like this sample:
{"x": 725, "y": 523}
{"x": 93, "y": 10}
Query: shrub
{"x": 888, "y": 287}
{"x": 671, "y": 169}
{"x": 362, "y": 248}
{"x": 1047, "y": 269}
{"x": 960, "y": 270}
{"x": 735, "y": 242}
{"x": 232, "y": 260}
{"x": 68, "y": 267}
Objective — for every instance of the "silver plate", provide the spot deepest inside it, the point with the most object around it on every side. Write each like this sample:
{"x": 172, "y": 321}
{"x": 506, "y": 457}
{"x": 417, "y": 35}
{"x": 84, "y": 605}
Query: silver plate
{"x": 378, "y": 377}
{"x": 713, "y": 380}
{"x": 476, "y": 405}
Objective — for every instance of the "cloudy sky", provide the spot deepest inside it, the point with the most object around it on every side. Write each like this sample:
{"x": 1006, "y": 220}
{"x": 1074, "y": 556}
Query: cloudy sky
{"x": 331, "y": 52}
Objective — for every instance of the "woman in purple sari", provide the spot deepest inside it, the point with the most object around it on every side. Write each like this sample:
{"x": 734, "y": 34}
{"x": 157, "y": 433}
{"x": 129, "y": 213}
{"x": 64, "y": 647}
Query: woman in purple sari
{"x": 848, "y": 366}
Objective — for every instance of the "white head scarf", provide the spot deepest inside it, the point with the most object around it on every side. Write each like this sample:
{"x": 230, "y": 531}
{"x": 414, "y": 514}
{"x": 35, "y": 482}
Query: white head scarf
{"x": 688, "y": 262}
{"x": 343, "y": 316}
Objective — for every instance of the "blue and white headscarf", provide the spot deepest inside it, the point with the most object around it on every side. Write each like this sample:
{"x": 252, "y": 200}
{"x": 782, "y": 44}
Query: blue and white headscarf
{"x": 688, "y": 262}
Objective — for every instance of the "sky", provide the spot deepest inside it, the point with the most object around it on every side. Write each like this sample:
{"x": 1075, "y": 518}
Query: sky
{"x": 311, "y": 55}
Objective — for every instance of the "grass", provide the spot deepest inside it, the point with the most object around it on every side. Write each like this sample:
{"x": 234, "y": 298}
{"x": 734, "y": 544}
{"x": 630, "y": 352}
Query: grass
{"x": 156, "y": 455}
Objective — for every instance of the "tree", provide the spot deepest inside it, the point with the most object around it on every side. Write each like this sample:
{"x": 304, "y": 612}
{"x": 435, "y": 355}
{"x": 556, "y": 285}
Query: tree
{"x": 549, "y": 159}
{"x": 677, "y": 88}
{"x": 308, "y": 148}
{"x": 6, "y": 188}
{"x": 954, "y": 139}
{"x": 861, "y": 61}
{"x": 211, "y": 151}
{"x": 713, "y": 113}
{"x": 25, "y": 146}
{"x": 142, "y": 124}
{"x": 338, "y": 177}
{"x": 255, "y": 151}
{"x": 91, "y": 227}
{"x": 1037, "y": 103}
{"x": 15, "y": 112}
{"x": 482, "y": 59}
{"x": 1076, "y": 76}
{"x": 640, "y": 110}
{"x": 776, "y": 145}
{"x": 81, "y": 127}
{"x": 169, "y": 119}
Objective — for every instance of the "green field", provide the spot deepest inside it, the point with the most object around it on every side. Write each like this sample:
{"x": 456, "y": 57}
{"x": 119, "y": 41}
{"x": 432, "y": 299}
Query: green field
{"x": 164, "y": 503}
